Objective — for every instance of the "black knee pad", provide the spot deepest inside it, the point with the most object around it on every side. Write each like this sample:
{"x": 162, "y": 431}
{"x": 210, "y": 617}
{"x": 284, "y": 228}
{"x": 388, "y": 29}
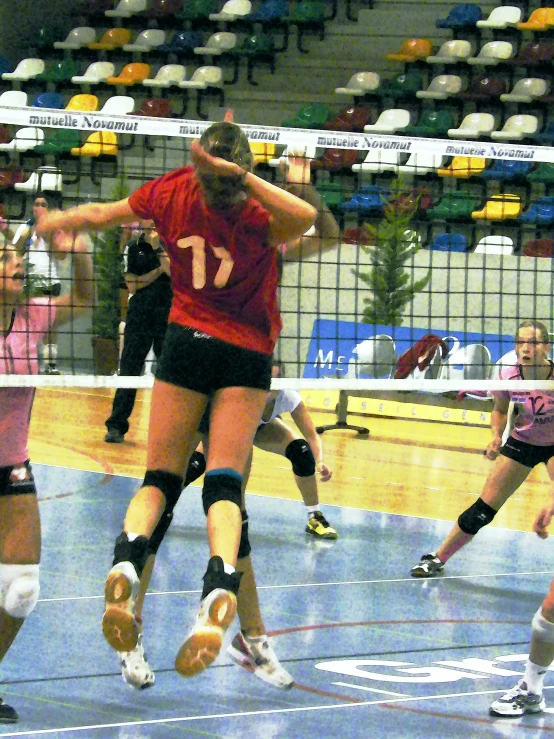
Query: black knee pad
{"x": 169, "y": 483}
{"x": 301, "y": 458}
{"x": 221, "y": 485}
{"x": 196, "y": 468}
{"x": 159, "y": 532}
{"x": 477, "y": 515}
{"x": 244, "y": 544}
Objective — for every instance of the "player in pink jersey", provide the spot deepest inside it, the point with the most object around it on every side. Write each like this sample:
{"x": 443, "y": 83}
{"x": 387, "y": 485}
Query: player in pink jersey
{"x": 22, "y": 326}
{"x": 221, "y": 225}
{"x": 531, "y": 442}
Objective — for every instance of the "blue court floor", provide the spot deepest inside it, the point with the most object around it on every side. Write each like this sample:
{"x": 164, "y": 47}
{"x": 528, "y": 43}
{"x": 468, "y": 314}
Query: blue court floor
{"x": 374, "y": 652}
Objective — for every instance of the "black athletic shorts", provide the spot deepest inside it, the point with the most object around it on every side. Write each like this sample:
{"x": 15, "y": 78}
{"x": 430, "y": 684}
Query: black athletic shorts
{"x": 194, "y": 360}
{"x": 17, "y": 480}
{"x": 528, "y": 454}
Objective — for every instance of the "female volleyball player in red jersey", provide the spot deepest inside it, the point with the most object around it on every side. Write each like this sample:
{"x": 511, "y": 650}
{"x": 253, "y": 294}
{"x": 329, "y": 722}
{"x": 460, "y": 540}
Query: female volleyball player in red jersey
{"x": 220, "y": 225}
{"x": 531, "y": 441}
{"x": 23, "y": 324}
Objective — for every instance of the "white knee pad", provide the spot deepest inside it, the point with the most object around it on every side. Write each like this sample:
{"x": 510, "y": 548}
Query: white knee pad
{"x": 542, "y": 628}
{"x": 19, "y": 589}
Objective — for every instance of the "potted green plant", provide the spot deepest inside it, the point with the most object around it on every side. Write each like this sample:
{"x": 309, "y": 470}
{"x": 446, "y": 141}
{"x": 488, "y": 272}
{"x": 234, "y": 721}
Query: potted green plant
{"x": 395, "y": 244}
{"x": 108, "y": 271}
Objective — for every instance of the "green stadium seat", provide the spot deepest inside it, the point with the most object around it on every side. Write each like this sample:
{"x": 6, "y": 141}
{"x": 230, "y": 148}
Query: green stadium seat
{"x": 544, "y": 173}
{"x": 433, "y": 123}
{"x": 309, "y": 116}
{"x": 59, "y": 141}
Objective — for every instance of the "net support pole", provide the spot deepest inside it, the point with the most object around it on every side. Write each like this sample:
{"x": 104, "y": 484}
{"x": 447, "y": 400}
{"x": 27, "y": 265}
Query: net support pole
{"x": 342, "y": 412}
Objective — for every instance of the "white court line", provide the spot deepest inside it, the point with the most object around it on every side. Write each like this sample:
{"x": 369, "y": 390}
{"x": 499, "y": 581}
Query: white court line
{"x": 325, "y": 584}
{"x": 242, "y": 714}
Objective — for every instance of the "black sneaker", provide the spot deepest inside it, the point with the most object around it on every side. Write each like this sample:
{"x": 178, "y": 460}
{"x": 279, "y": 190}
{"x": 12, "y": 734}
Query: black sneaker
{"x": 216, "y": 614}
{"x": 8, "y": 715}
{"x": 429, "y": 566}
{"x": 114, "y": 436}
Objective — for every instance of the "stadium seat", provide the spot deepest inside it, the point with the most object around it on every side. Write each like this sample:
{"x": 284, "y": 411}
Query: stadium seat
{"x": 164, "y": 8}
{"x": 27, "y": 69}
{"x": 96, "y": 73}
{"x": 166, "y": 76}
{"x": 24, "y": 139}
{"x": 441, "y": 87}
{"x": 390, "y": 121}
{"x": 501, "y": 207}
{"x": 5, "y": 65}
{"x": 113, "y": 38}
{"x": 60, "y": 72}
{"x": 410, "y": 201}
{"x": 401, "y": 86}
{"x": 156, "y": 108}
{"x": 368, "y": 199}
{"x": 77, "y": 38}
{"x": 412, "y": 50}
{"x": 309, "y": 116}
{"x": 449, "y": 242}
{"x": 99, "y": 143}
{"x": 434, "y": 123}
{"x": 10, "y": 175}
{"x": 44, "y": 38}
{"x": 451, "y": 52}
{"x": 501, "y": 245}
{"x": 376, "y": 356}
{"x": 198, "y": 10}
{"x": 539, "y": 248}
{"x": 463, "y": 167}
{"x": 262, "y": 152}
{"x": 461, "y": 16}
{"x": 59, "y": 141}
{"x": 473, "y": 126}
{"x": 204, "y": 77}
{"x": 335, "y": 160}
{"x": 83, "y": 102}
{"x": 45, "y": 179}
{"x": 492, "y": 53}
{"x": 533, "y": 54}
{"x": 146, "y": 40}
{"x": 526, "y": 90}
{"x": 360, "y": 84}
{"x": 544, "y": 173}
{"x": 131, "y": 74}
{"x": 126, "y": 9}
{"x": 546, "y": 137}
{"x": 232, "y": 11}
{"x": 516, "y": 128}
{"x": 506, "y": 169}
{"x": 458, "y": 205}
{"x": 118, "y": 105}
{"x": 13, "y": 99}
{"x": 48, "y": 100}
{"x": 351, "y": 118}
{"x": 183, "y": 42}
{"x": 306, "y": 151}
{"x": 5, "y": 135}
{"x": 332, "y": 193}
{"x": 270, "y": 11}
{"x": 378, "y": 162}
{"x": 505, "y": 16}
{"x": 218, "y": 43}
{"x": 483, "y": 89}
{"x": 98, "y": 7}
{"x": 358, "y": 235}
{"x": 540, "y": 211}
{"x": 540, "y": 19}
{"x": 421, "y": 163}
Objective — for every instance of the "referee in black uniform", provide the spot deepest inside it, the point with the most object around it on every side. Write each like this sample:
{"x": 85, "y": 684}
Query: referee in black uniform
{"x": 147, "y": 276}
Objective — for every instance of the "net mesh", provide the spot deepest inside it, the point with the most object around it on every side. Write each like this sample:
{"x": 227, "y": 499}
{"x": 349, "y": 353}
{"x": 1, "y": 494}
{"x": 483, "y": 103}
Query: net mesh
{"x": 441, "y": 246}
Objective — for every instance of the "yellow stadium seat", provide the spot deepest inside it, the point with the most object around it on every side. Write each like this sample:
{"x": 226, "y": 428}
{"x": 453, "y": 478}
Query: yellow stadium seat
{"x": 85, "y": 102}
{"x": 463, "y": 167}
{"x": 114, "y": 38}
{"x": 411, "y": 50}
{"x": 131, "y": 74}
{"x": 262, "y": 152}
{"x": 98, "y": 143}
{"x": 500, "y": 208}
{"x": 539, "y": 20}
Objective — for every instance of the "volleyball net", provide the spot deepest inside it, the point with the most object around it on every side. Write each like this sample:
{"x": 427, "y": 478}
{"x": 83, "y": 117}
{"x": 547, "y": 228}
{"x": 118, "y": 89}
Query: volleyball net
{"x": 442, "y": 247}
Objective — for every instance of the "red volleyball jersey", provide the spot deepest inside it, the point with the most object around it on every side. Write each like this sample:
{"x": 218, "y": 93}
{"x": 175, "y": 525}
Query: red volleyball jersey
{"x": 223, "y": 271}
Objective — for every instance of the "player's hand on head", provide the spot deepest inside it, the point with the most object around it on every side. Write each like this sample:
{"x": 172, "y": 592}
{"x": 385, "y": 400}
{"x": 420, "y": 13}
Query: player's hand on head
{"x": 542, "y": 522}
{"x": 213, "y": 165}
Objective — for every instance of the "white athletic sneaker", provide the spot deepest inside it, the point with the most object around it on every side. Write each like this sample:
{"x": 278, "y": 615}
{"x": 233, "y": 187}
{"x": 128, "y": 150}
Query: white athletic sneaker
{"x": 257, "y": 656}
{"x": 517, "y": 702}
{"x": 119, "y": 625}
{"x": 135, "y": 669}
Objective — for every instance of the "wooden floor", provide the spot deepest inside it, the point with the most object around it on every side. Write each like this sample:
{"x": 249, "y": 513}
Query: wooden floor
{"x": 415, "y": 468}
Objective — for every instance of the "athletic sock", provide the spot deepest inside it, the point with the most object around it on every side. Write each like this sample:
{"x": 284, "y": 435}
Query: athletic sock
{"x": 534, "y": 677}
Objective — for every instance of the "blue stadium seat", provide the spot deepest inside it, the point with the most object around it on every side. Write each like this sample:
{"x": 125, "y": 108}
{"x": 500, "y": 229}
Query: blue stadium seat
{"x": 547, "y": 136}
{"x": 271, "y": 10}
{"x": 449, "y": 242}
{"x": 461, "y": 16}
{"x": 5, "y": 65}
{"x": 48, "y": 100}
{"x": 540, "y": 211}
{"x": 371, "y": 198}
{"x": 183, "y": 42}
{"x": 506, "y": 169}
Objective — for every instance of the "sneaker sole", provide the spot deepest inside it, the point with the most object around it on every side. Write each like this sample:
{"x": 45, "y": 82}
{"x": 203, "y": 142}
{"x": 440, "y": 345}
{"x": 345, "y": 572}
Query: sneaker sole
{"x": 497, "y": 714}
{"x": 119, "y": 626}
{"x": 424, "y": 575}
{"x": 320, "y": 536}
{"x": 242, "y": 660}
{"x": 203, "y": 644}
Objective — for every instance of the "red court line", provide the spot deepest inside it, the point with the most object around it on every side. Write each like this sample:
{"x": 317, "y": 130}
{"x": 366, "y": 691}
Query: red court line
{"x": 326, "y": 694}
{"x": 396, "y": 622}
{"x": 457, "y": 717}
